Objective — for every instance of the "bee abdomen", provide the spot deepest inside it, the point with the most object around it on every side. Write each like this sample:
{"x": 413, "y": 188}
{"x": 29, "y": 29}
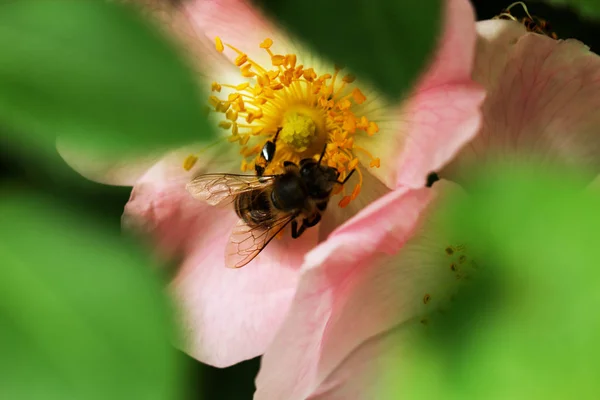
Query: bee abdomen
{"x": 253, "y": 207}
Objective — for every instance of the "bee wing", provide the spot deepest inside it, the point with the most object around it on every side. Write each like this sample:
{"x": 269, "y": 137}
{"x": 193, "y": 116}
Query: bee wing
{"x": 217, "y": 188}
{"x": 246, "y": 242}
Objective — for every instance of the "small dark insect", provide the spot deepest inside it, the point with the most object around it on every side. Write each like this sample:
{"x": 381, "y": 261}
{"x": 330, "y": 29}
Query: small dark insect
{"x": 531, "y": 23}
{"x": 266, "y": 204}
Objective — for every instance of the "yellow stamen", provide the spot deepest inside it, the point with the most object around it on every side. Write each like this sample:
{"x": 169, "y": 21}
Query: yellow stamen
{"x": 267, "y": 43}
{"x": 308, "y": 110}
{"x": 189, "y": 162}
{"x": 358, "y": 96}
{"x": 219, "y": 45}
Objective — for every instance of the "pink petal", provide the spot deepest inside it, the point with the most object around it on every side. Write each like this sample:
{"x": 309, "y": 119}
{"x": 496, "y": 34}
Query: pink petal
{"x": 372, "y": 370}
{"x": 425, "y": 132}
{"x": 495, "y": 38}
{"x": 453, "y": 60}
{"x": 372, "y": 189}
{"x": 439, "y": 123}
{"x": 542, "y": 106}
{"x": 198, "y": 49}
{"x": 352, "y": 289}
{"x": 239, "y": 24}
{"x": 227, "y": 315}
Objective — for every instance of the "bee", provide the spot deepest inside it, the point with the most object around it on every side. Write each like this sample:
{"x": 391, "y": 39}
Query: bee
{"x": 266, "y": 204}
{"x": 532, "y": 23}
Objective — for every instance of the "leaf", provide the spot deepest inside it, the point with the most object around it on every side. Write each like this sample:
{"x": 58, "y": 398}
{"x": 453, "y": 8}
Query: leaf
{"x": 387, "y": 42}
{"x": 526, "y": 327}
{"x": 587, "y": 8}
{"x": 81, "y": 314}
{"x": 95, "y": 72}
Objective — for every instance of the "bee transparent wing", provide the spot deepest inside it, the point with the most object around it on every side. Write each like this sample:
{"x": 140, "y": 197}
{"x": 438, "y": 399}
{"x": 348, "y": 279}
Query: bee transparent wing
{"x": 221, "y": 188}
{"x": 246, "y": 242}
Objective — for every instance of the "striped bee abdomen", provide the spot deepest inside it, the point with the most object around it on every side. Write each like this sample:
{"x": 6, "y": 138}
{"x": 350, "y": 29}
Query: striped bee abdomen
{"x": 254, "y": 207}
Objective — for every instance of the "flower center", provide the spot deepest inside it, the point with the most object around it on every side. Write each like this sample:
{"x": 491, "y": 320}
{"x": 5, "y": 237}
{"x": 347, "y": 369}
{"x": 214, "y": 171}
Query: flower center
{"x": 298, "y": 130}
{"x": 310, "y": 111}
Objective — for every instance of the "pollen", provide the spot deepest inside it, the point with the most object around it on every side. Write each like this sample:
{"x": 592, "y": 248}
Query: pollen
{"x": 312, "y": 110}
{"x": 298, "y": 131}
{"x": 189, "y": 162}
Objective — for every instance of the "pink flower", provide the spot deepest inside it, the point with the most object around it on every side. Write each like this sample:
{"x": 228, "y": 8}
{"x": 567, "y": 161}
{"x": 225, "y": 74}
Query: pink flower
{"x": 231, "y": 315}
{"x": 365, "y": 295}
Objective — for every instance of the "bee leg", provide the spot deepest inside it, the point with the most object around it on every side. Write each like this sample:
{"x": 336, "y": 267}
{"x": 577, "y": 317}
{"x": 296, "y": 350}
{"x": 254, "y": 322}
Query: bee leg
{"x": 296, "y": 232}
{"x": 313, "y": 222}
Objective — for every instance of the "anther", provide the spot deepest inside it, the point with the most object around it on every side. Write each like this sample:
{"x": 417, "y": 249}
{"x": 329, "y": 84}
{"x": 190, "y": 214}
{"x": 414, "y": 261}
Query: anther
{"x": 189, "y": 162}
{"x": 426, "y": 298}
{"x": 219, "y": 45}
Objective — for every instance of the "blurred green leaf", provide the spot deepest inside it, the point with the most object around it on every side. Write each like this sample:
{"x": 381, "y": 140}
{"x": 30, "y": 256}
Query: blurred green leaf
{"x": 386, "y": 42}
{"x": 82, "y": 316}
{"x": 95, "y": 72}
{"x": 587, "y": 8}
{"x": 526, "y": 326}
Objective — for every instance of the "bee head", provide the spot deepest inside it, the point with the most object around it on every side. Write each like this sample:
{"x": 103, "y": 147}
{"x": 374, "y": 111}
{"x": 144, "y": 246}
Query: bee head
{"x": 319, "y": 179}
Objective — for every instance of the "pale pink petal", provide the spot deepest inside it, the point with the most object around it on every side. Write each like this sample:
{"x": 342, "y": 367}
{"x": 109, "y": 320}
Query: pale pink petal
{"x": 440, "y": 122}
{"x": 377, "y": 367}
{"x": 427, "y": 130}
{"x": 453, "y": 59}
{"x": 495, "y": 38}
{"x": 194, "y": 45}
{"x": 334, "y": 216}
{"x": 238, "y": 23}
{"x": 542, "y": 106}
{"x": 227, "y": 315}
{"x": 353, "y": 287}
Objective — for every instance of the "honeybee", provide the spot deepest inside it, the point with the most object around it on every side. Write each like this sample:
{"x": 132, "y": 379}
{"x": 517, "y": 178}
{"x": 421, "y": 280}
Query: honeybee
{"x": 266, "y": 204}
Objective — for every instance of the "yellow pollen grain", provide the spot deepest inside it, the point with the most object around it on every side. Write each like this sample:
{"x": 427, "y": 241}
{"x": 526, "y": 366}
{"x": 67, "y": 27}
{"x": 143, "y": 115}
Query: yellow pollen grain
{"x": 345, "y": 201}
{"x": 375, "y": 163}
{"x": 278, "y": 60}
{"x": 267, "y": 43}
{"x": 231, "y": 115}
{"x": 358, "y": 96}
{"x": 189, "y": 162}
{"x": 307, "y": 109}
{"x": 352, "y": 164}
{"x": 372, "y": 129}
{"x": 219, "y": 45}
{"x": 241, "y": 60}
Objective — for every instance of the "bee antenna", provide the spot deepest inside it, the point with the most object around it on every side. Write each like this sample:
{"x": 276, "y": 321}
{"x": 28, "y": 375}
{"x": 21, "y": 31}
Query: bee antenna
{"x": 346, "y": 178}
{"x": 277, "y": 133}
{"x": 322, "y": 153}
